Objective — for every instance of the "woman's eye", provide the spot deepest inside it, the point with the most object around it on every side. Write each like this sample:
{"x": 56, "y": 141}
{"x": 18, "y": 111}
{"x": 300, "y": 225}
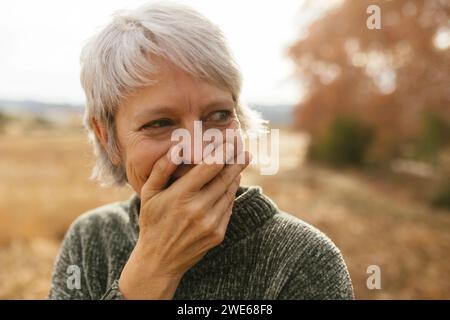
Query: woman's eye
{"x": 157, "y": 124}
{"x": 222, "y": 115}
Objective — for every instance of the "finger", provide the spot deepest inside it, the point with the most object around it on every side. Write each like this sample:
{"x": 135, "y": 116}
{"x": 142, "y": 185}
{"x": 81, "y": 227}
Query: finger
{"x": 159, "y": 176}
{"x": 225, "y": 219}
{"x": 204, "y": 242}
{"x": 228, "y": 196}
{"x": 215, "y": 212}
{"x": 207, "y": 169}
{"x": 218, "y": 186}
{"x": 219, "y": 217}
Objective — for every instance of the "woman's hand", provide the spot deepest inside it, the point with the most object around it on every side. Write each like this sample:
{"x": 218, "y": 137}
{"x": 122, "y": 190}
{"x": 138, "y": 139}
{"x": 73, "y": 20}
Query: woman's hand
{"x": 179, "y": 224}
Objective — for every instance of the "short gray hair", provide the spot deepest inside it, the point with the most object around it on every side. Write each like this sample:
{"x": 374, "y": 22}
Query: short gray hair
{"x": 120, "y": 59}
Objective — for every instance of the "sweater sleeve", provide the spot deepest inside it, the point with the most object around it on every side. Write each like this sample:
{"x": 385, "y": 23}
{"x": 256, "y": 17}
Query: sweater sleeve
{"x": 113, "y": 293}
{"x": 69, "y": 281}
{"x": 320, "y": 273}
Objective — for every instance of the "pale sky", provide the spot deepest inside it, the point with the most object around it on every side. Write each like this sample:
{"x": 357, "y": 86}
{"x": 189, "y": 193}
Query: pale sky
{"x": 41, "y": 42}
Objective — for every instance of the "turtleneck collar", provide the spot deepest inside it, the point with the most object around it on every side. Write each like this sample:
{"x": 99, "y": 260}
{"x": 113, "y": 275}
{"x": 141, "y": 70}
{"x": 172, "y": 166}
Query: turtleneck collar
{"x": 251, "y": 210}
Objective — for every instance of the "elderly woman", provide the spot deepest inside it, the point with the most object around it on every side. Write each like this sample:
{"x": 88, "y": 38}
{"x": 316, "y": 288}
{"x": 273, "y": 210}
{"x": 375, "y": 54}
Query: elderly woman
{"x": 190, "y": 231}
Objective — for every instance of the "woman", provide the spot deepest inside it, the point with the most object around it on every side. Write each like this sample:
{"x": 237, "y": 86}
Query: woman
{"x": 190, "y": 231}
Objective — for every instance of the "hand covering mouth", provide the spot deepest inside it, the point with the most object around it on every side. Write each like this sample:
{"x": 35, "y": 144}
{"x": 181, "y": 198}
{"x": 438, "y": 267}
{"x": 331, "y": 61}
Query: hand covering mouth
{"x": 179, "y": 172}
{"x": 171, "y": 180}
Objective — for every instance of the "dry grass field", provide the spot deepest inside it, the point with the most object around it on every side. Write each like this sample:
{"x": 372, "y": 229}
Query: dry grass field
{"x": 44, "y": 186}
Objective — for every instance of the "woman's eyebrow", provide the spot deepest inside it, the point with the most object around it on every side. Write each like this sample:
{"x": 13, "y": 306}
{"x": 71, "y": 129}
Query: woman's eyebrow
{"x": 218, "y": 102}
{"x": 155, "y": 111}
{"x": 169, "y": 109}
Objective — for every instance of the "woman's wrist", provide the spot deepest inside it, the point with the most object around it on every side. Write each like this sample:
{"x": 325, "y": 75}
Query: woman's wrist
{"x": 150, "y": 288}
{"x": 139, "y": 281}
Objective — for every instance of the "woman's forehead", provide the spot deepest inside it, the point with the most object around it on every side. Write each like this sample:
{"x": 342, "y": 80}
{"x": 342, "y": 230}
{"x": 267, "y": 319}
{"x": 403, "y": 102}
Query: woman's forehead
{"x": 177, "y": 89}
{"x": 155, "y": 110}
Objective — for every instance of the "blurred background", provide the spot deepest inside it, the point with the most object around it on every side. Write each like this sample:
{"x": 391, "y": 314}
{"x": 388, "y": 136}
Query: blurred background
{"x": 364, "y": 116}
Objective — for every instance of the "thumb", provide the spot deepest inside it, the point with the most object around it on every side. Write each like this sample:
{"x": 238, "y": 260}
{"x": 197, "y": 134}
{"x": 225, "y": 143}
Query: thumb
{"x": 160, "y": 174}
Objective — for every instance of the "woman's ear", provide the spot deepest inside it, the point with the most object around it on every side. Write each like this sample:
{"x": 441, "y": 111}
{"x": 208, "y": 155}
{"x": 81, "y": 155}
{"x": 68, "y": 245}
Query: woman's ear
{"x": 100, "y": 132}
{"x": 102, "y": 135}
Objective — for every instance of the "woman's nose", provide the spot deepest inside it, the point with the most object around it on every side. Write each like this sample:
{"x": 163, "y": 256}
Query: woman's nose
{"x": 196, "y": 145}
{"x": 193, "y": 152}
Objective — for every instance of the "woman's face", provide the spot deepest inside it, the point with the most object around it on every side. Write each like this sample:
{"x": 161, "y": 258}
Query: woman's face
{"x": 145, "y": 121}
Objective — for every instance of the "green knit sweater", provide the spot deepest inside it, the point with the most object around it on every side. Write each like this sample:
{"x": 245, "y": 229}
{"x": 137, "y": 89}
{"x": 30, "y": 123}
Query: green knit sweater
{"x": 266, "y": 254}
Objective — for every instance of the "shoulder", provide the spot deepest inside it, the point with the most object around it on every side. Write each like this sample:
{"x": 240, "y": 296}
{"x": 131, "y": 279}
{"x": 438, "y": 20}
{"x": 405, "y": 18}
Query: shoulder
{"x": 313, "y": 266}
{"x": 301, "y": 234}
{"x": 115, "y": 213}
{"x": 300, "y": 245}
{"x": 101, "y": 225}
{"x": 298, "y": 236}
{"x": 97, "y": 243}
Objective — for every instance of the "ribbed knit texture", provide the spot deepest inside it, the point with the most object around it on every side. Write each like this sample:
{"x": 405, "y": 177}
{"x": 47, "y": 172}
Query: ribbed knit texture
{"x": 266, "y": 254}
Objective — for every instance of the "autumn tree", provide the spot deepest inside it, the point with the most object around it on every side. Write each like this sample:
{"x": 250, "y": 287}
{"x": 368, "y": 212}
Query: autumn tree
{"x": 388, "y": 77}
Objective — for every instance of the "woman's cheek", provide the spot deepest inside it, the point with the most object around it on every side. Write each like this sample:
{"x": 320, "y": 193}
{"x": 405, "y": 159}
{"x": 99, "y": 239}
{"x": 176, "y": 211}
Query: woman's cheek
{"x": 141, "y": 159}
